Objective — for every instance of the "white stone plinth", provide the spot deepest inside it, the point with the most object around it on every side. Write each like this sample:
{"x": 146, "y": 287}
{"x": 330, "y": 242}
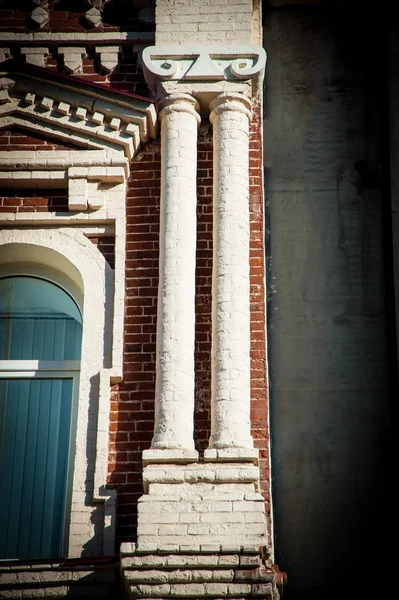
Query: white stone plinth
{"x": 198, "y": 507}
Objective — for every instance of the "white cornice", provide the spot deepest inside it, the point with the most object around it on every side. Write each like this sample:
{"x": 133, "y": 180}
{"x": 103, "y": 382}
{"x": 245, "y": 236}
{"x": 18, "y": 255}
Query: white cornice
{"x": 93, "y": 117}
{"x": 203, "y": 63}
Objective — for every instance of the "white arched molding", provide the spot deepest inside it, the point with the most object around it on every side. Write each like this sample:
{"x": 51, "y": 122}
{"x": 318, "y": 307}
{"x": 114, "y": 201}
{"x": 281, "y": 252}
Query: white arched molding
{"x": 76, "y": 260}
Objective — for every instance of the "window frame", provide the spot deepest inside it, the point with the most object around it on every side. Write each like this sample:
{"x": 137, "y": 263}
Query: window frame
{"x": 47, "y": 369}
{"x": 59, "y": 250}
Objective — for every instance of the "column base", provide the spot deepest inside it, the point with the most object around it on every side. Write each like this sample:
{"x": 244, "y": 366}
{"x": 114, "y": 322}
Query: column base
{"x": 194, "y": 507}
{"x": 231, "y": 455}
{"x": 212, "y": 574}
{"x": 166, "y": 455}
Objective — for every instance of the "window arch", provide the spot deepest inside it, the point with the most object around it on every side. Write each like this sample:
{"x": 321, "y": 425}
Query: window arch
{"x": 40, "y": 347}
{"x": 65, "y": 257}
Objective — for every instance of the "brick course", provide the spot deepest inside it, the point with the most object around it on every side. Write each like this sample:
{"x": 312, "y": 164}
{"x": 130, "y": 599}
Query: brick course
{"x": 194, "y": 21}
{"x": 33, "y": 200}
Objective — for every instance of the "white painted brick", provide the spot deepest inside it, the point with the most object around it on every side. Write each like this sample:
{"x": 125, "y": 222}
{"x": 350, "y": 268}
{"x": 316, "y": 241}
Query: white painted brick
{"x": 222, "y": 517}
{"x": 190, "y": 589}
{"x": 248, "y": 506}
{"x": 159, "y": 517}
{"x": 8, "y": 578}
{"x": 147, "y": 529}
{"x": 56, "y": 592}
{"x": 189, "y": 518}
{"x": 239, "y": 588}
{"x": 198, "y": 529}
{"x": 222, "y": 507}
{"x": 258, "y": 517}
{"x": 228, "y": 560}
{"x": 205, "y": 18}
{"x": 189, "y": 547}
{"x": 33, "y": 593}
{"x": 167, "y": 530}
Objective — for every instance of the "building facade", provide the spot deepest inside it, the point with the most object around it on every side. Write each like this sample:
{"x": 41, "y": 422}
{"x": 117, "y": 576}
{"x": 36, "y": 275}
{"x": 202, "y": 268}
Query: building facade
{"x": 174, "y": 230}
{"x": 132, "y": 183}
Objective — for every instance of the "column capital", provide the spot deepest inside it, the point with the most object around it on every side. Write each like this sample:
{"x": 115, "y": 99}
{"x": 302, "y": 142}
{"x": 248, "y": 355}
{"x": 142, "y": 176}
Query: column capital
{"x": 203, "y": 63}
{"x": 230, "y": 102}
{"x": 204, "y": 71}
{"x": 179, "y": 103}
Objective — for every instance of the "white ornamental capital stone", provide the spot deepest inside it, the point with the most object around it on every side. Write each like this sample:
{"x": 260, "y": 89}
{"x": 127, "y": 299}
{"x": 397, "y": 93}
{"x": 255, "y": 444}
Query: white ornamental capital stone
{"x": 203, "y": 63}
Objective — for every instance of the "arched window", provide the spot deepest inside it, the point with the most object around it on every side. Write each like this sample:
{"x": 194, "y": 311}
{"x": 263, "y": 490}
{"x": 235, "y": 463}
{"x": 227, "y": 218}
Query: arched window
{"x": 40, "y": 346}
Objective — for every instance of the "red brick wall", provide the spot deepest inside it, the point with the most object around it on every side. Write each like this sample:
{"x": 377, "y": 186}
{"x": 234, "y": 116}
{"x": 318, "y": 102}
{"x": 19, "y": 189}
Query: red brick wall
{"x": 203, "y": 300}
{"x": 33, "y": 200}
{"x": 14, "y": 138}
{"x": 259, "y": 381}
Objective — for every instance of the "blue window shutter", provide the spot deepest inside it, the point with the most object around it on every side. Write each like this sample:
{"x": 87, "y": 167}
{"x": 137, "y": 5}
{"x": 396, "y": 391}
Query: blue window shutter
{"x": 38, "y": 321}
{"x": 34, "y": 466}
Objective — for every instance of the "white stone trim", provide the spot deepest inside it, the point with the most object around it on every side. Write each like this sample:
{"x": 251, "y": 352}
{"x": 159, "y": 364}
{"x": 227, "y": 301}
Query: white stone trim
{"x": 202, "y": 63}
{"x": 174, "y": 392}
{"x": 231, "y": 389}
{"x": 81, "y": 173}
{"x": 92, "y": 117}
{"x": 111, "y": 220}
{"x": 72, "y": 56}
{"x": 35, "y": 55}
{"x": 201, "y": 508}
{"x": 108, "y": 56}
{"x": 95, "y": 276}
{"x": 4, "y": 54}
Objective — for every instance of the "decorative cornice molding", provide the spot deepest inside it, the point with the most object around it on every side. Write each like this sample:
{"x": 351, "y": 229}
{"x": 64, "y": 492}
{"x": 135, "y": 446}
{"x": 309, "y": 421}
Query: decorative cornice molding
{"x": 203, "y": 64}
{"x": 82, "y": 171}
{"x": 93, "y": 117}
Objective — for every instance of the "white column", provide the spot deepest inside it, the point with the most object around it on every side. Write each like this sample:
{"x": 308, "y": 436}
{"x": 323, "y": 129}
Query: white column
{"x": 230, "y": 117}
{"x": 174, "y": 400}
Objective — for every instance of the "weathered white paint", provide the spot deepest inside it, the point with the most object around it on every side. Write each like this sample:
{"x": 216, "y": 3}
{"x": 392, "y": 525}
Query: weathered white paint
{"x": 174, "y": 400}
{"x": 193, "y": 21}
{"x": 188, "y": 507}
{"x": 230, "y": 116}
{"x": 205, "y": 63}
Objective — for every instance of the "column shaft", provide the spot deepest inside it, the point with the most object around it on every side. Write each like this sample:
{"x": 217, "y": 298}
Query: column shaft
{"x": 174, "y": 400}
{"x": 230, "y": 286}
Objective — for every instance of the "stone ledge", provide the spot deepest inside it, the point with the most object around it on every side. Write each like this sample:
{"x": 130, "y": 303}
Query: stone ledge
{"x": 232, "y": 455}
{"x": 175, "y": 456}
{"x": 57, "y": 580}
{"x": 198, "y": 575}
{"x": 199, "y": 473}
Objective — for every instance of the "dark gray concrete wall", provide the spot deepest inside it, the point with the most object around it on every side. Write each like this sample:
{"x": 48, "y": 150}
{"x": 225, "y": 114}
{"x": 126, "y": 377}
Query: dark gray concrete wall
{"x": 327, "y": 321}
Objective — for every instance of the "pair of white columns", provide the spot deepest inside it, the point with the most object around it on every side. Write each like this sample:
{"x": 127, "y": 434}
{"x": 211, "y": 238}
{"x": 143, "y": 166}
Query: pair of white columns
{"x": 174, "y": 402}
